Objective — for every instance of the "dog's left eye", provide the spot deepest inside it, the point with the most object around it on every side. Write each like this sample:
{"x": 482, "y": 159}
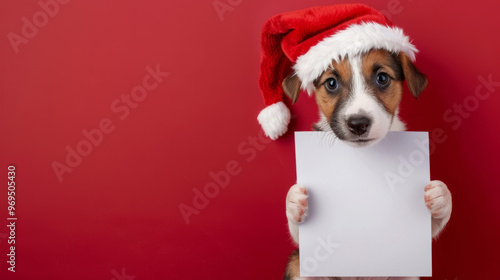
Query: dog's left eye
{"x": 382, "y": 79}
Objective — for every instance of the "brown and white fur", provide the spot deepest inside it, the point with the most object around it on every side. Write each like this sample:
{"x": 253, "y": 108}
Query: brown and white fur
{"x": 358, "y": 99}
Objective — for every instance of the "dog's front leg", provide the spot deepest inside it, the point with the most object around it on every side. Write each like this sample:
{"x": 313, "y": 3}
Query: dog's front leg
{"x": 296, "y": 209}
{"x": 438, "y": 201}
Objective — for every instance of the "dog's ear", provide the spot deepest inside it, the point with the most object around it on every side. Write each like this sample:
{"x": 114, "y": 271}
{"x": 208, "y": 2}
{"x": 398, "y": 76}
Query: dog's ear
{"x": 415, "y": 80}
{"x": 291, "y": 87}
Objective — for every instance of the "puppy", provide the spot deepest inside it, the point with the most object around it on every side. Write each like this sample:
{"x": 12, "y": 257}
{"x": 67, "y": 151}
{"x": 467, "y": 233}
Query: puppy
{"x": 358, "y": 99}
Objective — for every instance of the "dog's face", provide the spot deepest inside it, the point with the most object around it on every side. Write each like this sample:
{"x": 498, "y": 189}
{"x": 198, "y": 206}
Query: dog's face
{"x": 358, "y": 97}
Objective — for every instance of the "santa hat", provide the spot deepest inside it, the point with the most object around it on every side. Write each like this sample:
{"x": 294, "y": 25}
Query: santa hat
{"x": 306, "y": 42}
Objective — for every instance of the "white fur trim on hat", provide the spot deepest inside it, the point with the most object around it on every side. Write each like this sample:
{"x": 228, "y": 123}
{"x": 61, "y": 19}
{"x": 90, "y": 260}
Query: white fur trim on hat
{"x": 356, "y": 39}
{"x": 274, "y": 119}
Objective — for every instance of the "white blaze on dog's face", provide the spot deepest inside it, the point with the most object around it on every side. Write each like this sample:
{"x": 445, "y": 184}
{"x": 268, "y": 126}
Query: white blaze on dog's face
{"x": 359, "y": 96}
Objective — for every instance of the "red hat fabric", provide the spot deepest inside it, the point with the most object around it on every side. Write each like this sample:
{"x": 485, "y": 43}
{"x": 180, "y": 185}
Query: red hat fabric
{"x": 305, "y": 43}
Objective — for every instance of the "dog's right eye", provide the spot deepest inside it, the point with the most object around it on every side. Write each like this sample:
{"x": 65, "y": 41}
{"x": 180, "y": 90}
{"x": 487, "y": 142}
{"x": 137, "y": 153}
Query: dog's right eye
{"x": 331, "y": 85}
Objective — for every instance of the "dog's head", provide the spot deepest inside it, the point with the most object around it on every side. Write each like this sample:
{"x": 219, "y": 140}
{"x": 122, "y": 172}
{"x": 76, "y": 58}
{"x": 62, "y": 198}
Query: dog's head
{"x": 358, "y": 97}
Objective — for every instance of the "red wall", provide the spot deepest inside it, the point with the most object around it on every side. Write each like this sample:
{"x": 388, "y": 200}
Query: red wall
{"x": 116, "y": 214}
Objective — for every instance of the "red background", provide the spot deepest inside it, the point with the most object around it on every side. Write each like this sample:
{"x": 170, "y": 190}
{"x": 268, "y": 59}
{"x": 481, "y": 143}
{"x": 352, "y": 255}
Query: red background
{"x": 116, "y": 215}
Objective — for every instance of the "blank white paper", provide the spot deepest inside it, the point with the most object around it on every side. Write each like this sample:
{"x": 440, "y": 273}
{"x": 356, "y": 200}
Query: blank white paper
{"x": 367, "y": 215}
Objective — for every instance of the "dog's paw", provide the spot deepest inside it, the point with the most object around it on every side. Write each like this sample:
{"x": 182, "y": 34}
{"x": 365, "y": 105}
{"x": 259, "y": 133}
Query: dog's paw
{"x": 438, "y": 200}
{"x": 296, "y": 204}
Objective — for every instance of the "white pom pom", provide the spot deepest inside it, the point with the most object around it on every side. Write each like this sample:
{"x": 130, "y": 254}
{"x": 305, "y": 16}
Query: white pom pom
{"x": 274, "y": 119}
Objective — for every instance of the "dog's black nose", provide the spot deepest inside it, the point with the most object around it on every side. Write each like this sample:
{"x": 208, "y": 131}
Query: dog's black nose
{"x": 358, "y": 124}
